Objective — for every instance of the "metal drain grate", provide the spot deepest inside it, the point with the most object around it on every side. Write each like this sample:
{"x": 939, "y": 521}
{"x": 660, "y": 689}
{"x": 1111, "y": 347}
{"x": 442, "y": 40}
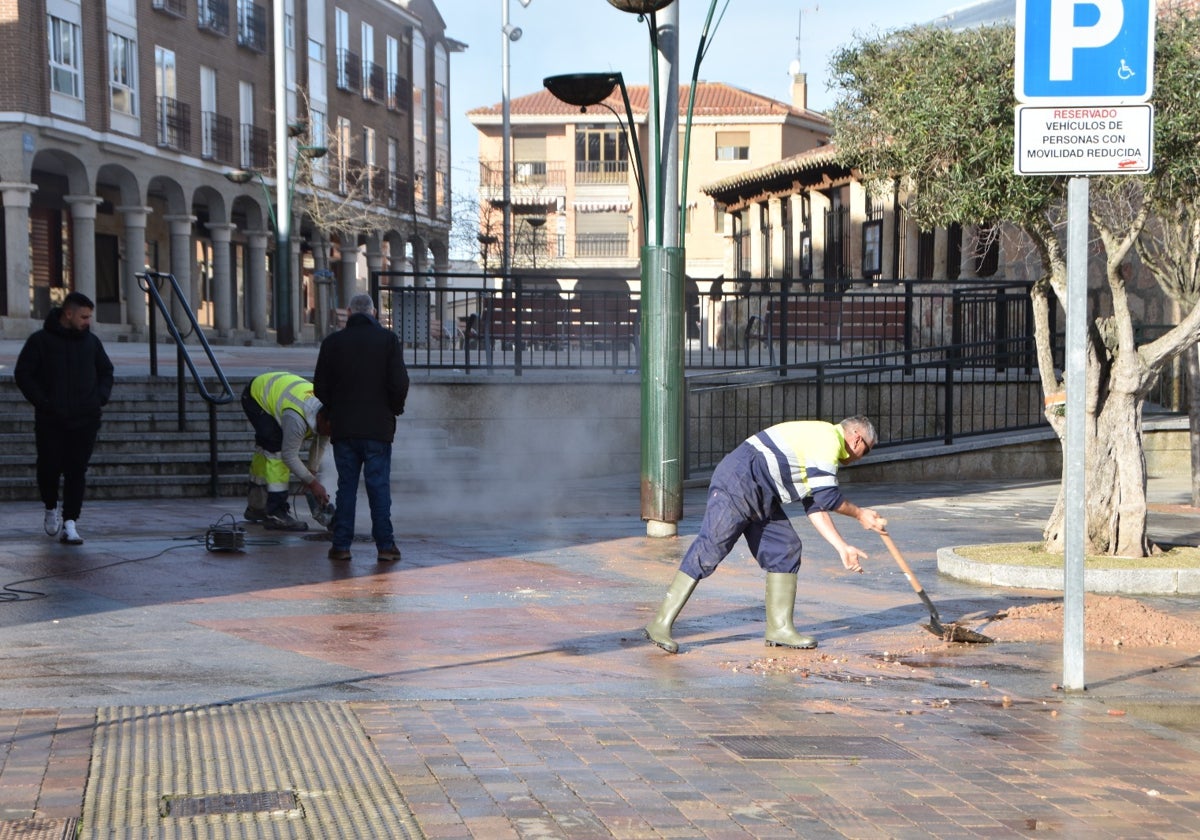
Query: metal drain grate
{"x": 274, "y": 801}
{"x": 38, "y": 829}
{"x": 811, "y": 747}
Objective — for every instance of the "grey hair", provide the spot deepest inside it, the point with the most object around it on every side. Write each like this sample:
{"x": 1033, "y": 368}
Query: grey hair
{"x": 361, "y": 304}
{"x": 863, "y": 426}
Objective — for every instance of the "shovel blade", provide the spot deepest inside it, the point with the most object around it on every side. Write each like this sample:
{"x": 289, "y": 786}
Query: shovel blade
{"x": 958, "y": 633}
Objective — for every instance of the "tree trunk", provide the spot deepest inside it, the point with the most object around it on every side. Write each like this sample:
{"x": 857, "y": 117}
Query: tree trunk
{"x": 1115, "y": 487}
{"x": 1193, "y": 383}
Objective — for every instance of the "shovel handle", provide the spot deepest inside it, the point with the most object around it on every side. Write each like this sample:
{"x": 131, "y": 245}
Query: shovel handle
{"x": 900, "y": 561}
{"x": 912, "y": 579}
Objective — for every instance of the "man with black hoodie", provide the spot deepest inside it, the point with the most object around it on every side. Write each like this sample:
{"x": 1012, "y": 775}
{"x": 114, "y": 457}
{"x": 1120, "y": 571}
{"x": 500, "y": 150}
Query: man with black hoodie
{"x": 65, "y": 373}
{"x": 362, "y": 382}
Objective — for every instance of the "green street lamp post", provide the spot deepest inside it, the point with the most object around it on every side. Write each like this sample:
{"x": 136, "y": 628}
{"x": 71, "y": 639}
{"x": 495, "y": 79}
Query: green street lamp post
{"x": 285, "y": 332}
{"x": 662, "y": 270}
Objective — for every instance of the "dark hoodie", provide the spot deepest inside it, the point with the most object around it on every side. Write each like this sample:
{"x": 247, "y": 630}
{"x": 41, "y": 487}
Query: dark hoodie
{"x": 65, "y": 374}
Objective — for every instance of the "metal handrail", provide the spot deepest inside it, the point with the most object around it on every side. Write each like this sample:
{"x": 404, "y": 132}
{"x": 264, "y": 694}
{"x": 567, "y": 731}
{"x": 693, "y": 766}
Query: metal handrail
{"x": 150, "y": 282}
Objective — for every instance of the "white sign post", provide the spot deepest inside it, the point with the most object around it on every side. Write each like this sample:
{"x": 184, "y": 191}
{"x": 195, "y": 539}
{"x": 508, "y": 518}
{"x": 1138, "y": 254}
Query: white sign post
{"x": 1084, "y": 65}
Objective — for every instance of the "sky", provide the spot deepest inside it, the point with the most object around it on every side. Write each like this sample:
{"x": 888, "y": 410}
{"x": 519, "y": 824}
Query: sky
{"x": 752, "y": 48}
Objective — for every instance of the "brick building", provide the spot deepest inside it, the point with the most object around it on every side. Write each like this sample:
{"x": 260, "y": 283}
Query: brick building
{"x": 120, "y": 120}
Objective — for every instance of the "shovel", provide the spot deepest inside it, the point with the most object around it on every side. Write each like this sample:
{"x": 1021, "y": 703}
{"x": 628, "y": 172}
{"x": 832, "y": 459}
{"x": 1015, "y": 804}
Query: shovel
{"x": 953, "y": 632}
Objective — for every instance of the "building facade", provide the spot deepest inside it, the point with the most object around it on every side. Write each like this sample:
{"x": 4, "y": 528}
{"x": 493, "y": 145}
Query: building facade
{"x": 142, "y": 133}
{"x": 575, "y": 203}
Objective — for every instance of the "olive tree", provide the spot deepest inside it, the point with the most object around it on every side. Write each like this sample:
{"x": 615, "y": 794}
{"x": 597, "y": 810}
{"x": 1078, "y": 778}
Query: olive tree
{"x": 933, "y": 108}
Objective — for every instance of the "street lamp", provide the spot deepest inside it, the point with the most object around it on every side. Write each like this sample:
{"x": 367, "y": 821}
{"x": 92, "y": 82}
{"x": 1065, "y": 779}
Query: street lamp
{"x": 508, "y": 34}
{"x": 535, "y": 224}
{"x": 662, "y": 266}
{"x": 281, "y": 222}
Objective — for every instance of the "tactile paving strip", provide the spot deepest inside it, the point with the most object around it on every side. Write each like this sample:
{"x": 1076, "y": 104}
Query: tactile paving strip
{"x": 811, "y": 747}
{"x": 37, "y": 829}
{"x": 143, "y": 755}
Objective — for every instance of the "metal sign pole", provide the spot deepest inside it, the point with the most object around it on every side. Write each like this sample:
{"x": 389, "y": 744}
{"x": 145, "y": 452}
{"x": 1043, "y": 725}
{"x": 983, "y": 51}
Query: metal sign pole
{"x": 1075, "y": 513}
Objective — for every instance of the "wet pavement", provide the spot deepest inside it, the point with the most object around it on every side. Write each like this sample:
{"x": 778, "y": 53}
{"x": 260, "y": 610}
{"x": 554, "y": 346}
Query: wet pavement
{"x": 495, "y": 683}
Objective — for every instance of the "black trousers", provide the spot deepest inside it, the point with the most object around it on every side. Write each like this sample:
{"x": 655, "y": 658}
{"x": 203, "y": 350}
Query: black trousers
{"x": 64, "y": 453}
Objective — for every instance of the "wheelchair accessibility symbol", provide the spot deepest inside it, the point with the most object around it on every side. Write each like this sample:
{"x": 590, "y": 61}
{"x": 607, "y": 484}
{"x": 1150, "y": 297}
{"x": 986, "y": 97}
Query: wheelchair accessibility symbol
{"x": 1125, "y": 72}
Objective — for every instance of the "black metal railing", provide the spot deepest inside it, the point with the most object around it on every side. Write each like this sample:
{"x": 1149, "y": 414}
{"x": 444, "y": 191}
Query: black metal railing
{"x": 940, "y": 394}
{"x": 152, "y": 282}
{"x": 252, "y": 27}
{"x": 174, "y": 124}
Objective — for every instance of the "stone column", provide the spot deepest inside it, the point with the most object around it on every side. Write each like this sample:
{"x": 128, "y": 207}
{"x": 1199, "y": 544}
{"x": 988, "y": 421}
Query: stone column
{"x": 820, "y": 206}
{"x": 16, "y": 247}
{"x": 256, "y": 281}
{"x": 222, "y": 278}
{"x": 83, "y": 242}
{"x": 348, "y": 278}
{"x": 133, "y": 262}
{"x": 375, "y": 260}
{"x": 181, "y": 264}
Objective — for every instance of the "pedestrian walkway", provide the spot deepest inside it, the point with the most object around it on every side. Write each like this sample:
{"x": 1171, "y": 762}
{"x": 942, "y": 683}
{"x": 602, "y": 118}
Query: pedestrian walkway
{"x": 495, "y": 684}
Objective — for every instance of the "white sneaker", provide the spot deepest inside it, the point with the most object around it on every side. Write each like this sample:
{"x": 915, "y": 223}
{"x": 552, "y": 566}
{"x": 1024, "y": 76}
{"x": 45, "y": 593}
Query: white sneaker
{"x": 69, "y": 535}
{"x": 52, "y": 522}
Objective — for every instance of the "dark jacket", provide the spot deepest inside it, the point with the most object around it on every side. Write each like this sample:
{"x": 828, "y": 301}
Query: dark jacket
{"x": 65, "y": 374}
{"x": 361, "y": 380}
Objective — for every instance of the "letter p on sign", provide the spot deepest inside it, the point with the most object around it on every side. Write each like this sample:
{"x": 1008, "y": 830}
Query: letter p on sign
{"x": 1084, "y": 51}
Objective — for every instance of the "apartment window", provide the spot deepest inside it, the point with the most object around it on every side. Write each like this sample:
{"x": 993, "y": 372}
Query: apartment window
{"x": 122, "y": 74}
{"x": 343, "y": 155}
{"x": 368, "y": 59}
{"x": 252, "y": 26}
{"x": 65, "y": 57}
{"x": 601, "y": 155}
{"x": 368, "y": 141}
{"x": 213, "y": 15}
{"x": 733, "y": 145}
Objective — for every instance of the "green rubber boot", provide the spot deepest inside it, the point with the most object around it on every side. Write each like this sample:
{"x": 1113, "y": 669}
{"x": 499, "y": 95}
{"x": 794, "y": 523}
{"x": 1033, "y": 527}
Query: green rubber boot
{"x": 659, "y": 630}
{"x": 781, "y": 600}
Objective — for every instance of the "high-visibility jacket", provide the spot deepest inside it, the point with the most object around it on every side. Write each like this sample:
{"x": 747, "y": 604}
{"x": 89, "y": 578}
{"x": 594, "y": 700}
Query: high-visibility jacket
{"x": 802, "y": 457}
{"x": 279, "y": 391}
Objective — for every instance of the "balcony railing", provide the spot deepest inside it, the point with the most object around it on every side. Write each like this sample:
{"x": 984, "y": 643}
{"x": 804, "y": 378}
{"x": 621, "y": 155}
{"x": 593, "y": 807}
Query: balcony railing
{"x": 525, "y": 173}
{"x": 174, "y": 7}
{"x": 252, "y": 28}
{"x": 601, "y": 171}
{"x": 254, "y": 147}
{"x": 349, "y": 70}
{"x": 400, "y": 195}
{"x": 374, "y": 88}
{"x": 216, "y": 137}
{"x": 174, "y": 124}
{"x": 399, "y": 93}
{"x": 214, "y": 16}
{"x": 601, "y": 245}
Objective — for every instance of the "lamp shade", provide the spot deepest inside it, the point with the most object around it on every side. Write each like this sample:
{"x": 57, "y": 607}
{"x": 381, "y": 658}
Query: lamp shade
{"x": 582, "y": 89}
{"x": 640, "y": 7}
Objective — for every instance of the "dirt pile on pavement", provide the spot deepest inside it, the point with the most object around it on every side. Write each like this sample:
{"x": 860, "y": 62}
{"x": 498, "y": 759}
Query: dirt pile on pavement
{"x": 1109, "y": 621}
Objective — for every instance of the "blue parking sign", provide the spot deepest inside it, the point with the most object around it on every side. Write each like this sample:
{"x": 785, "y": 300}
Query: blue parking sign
{"x": 1085, "y": 51}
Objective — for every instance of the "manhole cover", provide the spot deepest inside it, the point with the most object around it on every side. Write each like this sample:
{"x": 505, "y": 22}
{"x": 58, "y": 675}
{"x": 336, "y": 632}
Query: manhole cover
{"x": 37, "y": 829}
{"x": 811, "y": 747}
{"x": 273, "y": 801}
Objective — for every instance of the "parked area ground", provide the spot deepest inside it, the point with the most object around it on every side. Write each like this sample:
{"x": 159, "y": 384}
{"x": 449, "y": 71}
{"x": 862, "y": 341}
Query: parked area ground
{"x": 495, "y": 682}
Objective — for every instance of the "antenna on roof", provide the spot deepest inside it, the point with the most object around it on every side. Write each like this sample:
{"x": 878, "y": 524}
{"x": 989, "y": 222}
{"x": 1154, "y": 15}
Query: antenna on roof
{"x": 794, "y": 67}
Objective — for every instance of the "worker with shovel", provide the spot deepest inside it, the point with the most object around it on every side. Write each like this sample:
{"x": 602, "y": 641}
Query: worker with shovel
{"x": 788, "y": 462}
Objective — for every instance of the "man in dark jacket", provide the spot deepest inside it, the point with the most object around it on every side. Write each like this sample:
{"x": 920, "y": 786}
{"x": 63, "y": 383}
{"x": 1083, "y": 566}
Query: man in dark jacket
{"x": 362, "y": 382}
{"x": 65, "y": 373}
